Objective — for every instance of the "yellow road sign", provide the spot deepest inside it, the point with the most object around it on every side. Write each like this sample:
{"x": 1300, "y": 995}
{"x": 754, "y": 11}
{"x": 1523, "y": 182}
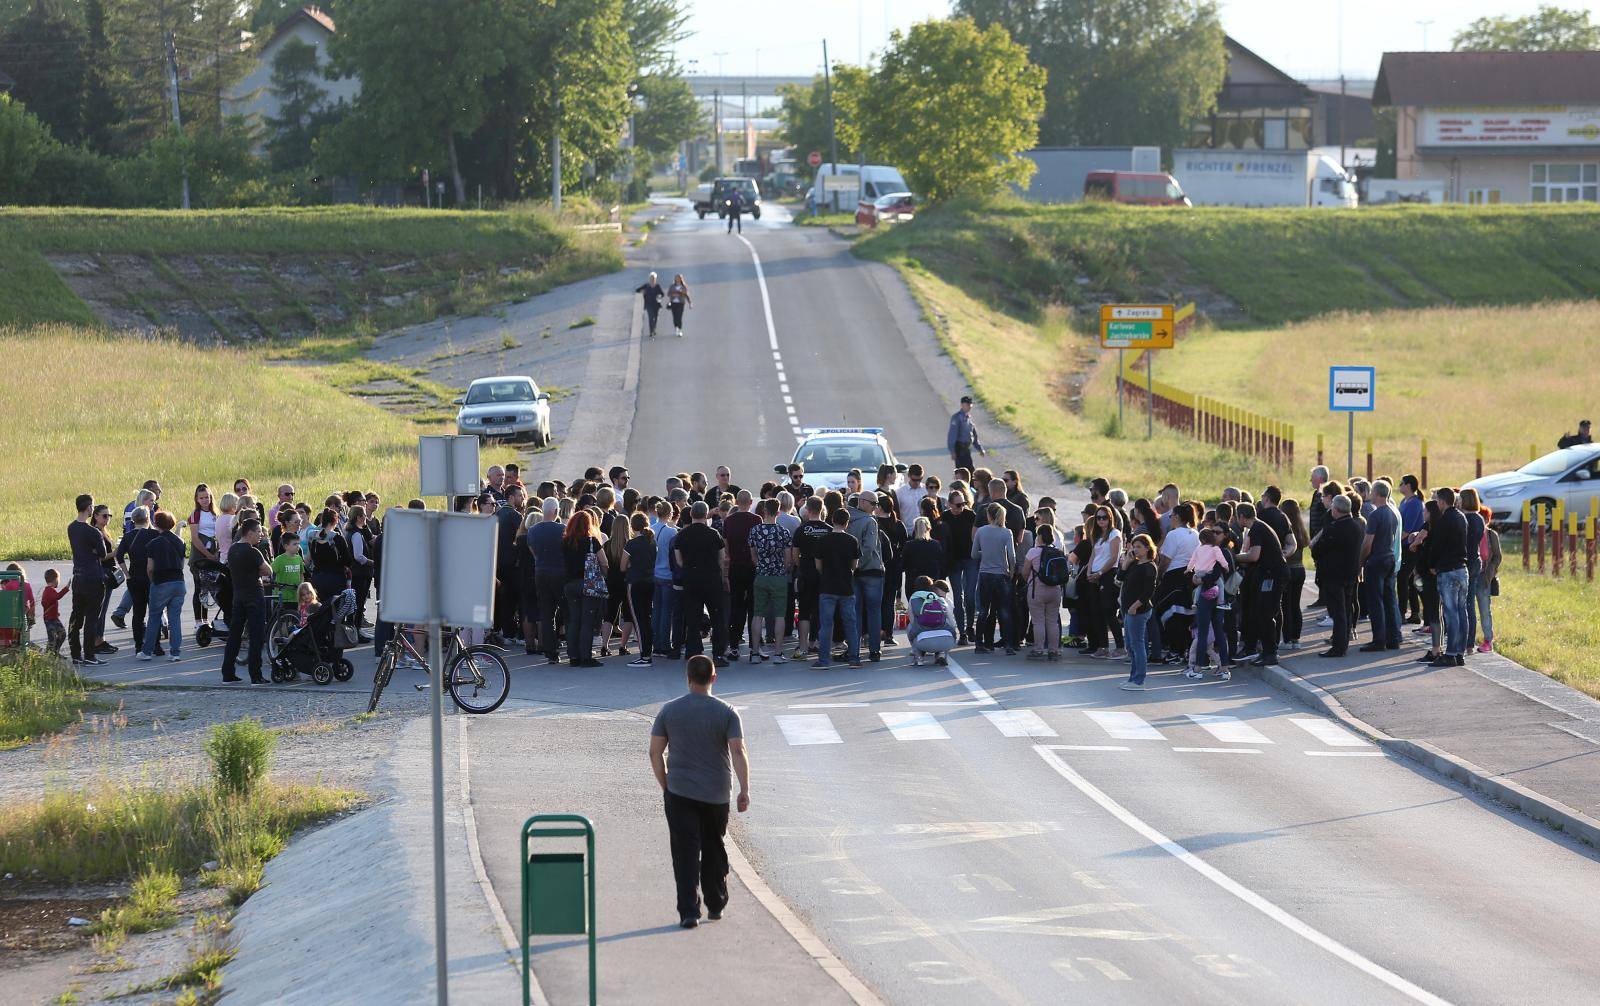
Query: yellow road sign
{"x": 1136, "y": 326}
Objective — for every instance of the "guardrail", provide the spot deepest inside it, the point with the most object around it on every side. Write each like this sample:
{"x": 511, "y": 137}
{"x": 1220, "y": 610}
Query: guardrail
{"x": 1211, "y": 420}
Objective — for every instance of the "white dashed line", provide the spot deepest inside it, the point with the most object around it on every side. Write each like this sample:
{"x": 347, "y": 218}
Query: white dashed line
{"x": 772, "y": 338}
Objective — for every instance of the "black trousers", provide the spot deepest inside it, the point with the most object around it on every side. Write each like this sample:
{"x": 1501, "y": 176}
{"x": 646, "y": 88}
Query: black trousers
{"x": 507, "y": 602}
{"x": 1293, "y": 591}
{"x": 245, "y": 618}
{"x": 583, "y": 621}
{"x": 652, "y": 313}
{"x": 641, "y": 596}
{"x": 551, "y": 588}
{"x": 1268, "y": 608}
{"x": 88, "y": 594}
{"x": 963, "y": 456}
{"x": 699, "y": 859}
{"x": 1338, "y": 599}
{"x": 741, "y": 600}
{"x": 1410, "y": 596}
{"x": 139, "y": 592}
{"x": 697, "y": 599}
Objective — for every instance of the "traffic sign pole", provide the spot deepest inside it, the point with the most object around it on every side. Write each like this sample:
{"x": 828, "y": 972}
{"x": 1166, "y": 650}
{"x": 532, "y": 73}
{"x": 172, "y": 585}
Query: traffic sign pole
{"x": 1350, "y": 446}
{"x": 1149, "y": 394}
{"x": 1120, "y": 394}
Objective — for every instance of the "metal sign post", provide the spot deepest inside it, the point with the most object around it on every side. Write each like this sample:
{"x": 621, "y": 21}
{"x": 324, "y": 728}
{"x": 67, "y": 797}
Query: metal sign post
{"x": 437, "y": 568}
{"x": 1351, "y": 390}
{"x": 1149, "y": 394}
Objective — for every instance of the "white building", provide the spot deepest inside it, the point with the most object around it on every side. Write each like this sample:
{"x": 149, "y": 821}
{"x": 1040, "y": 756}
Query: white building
{"x": 252, "y": 96}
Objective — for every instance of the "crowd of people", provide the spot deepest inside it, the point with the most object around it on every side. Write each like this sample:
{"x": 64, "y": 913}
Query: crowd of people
{"x": 783, "y": 572}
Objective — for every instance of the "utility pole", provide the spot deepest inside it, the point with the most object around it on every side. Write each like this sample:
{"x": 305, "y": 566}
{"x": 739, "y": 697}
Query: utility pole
{"x": 744, "y": 117}
{"x": 177, "y": 119}
{"x": 716, "y": 125}
{"x": 827, "y": 89}
{"x": 555, "y": 157}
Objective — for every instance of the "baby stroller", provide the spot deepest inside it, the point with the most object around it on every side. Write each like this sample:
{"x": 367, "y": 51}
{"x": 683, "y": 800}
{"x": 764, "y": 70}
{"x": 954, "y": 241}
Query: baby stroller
{"x": 212, "y": 589}
{"x": 1174, "y": 613}
{"x": 314, "y": 649}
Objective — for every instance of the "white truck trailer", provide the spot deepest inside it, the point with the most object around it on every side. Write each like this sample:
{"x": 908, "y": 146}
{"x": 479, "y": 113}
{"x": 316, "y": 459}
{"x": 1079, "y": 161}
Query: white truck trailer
{"x": 1262, "y": 178}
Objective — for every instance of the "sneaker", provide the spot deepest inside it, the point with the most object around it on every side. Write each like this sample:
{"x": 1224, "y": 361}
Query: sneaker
{"x": 855, "y": 664}
{"x": 1193, "y": 674}
{"x": 680, "y": 333}
{"x": 980, "y": 648}
{"x": 916, "y": 661}
{"x": 1117, "y": 654}
{"x": 1325, "y": 621}
{"x": 942, "y": 660}
{"x": 1293, "y": 644}
{"x": 1010, "y": 652}
{"x": 173, "y": 658}
{"x": 1224, "y": 675}
{"x": 119, "y": 621}
{"x": 142, "y": 655}
{"x": 1130, "y": 686}
{"x": 640, "y": 662}
{"x": 105, "y": 647}
{"x": 1101, "y": 654}
{"x": 822, "y": 664}
{"x": 779, "y": 658}
{"x": 91, "y": 659}
{"x": 1487, "y": 646}
{"x": 1444, "y": 660}
{"x": 1035, "y": 654}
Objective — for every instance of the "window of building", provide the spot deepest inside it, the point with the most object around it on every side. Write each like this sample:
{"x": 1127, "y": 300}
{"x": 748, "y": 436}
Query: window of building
{"x": 1483, "y": 197}
{"x": 1565, "y": 183}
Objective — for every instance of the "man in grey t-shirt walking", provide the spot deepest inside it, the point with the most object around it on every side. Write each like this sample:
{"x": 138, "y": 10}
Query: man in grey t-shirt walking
{"x": 706, "y": 740}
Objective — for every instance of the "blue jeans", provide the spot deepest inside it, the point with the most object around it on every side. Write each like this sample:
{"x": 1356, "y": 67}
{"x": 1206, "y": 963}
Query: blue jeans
{"x": 994, "y": 593}
{"x": 964, "y": 592}
{"x": 1134, "y": 626}
{"x": 1208, "y": 618}
{"x": 1453, "y": 610}
{"x": 1383, "y": 604}
{"x": 662, "y": 608}
{"x": 125, "y": 605}
{"x": 845, "y": 606}
{"x": 1474, "y": 581}
{"x": 165, "y": 598}
{"x": 1485, "y": 606}
{"x": 869, "y": 610}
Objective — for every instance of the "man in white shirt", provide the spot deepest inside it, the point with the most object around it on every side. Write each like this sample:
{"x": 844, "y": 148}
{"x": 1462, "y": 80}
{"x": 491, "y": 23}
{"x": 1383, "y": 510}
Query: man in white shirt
{"x": 908, "y": 497}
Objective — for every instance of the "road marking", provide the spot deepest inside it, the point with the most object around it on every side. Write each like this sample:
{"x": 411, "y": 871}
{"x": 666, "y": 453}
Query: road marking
{"x": 1046, "y": 922}
{"x": 966, "y": 886}
{"x": 783, "y": 385}
{"x": 815, "y": 728}
{"x": 1229, "y": 729}
{"x": 797, "y": 930}
{"x": 1106, "y": 968}
{"x": 1218, "y": 750}
{"x": 914, "y": 726}
{"x": 1329, "y": 733}
{"x": 1233, "y": 887}
{"x": 1089, "y": 747}
{"x": 508, "y": 936}
{"x": 772, "y": 339}
{"x": 1065, "y": 969}
{"x": 830, "y": 705}
{"x": 1018, "y": 723}
{"x": 1345, "y": 754}
{"x": 974, "y": 689}
{"x": 1123, "y": 725}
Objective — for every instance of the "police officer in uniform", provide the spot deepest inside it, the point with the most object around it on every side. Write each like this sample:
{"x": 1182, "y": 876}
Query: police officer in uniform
{"x": 963, "y": 436}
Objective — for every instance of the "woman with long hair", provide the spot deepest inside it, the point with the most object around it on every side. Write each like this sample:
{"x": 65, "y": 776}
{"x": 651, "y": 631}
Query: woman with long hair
{"x": 329, "y": 556}
{"x": 1014, "y": 493}
{"x": 616, "y": 613}
{"x": 678, "y": 300}
{"x": 585, "y": 587}
{"x": 1293, "y": 621}
{"x": 1104, "y": 556}
{"x": 1044, "y": 599}
{"x": 203, "y": 548}
{"x": 359, "y": 536}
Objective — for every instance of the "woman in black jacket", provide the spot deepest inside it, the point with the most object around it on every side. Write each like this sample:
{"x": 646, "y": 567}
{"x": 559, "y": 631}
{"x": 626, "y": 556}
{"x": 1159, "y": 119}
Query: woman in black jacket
{"x": 329, "y": 555}
{"x": 922, "y": 556}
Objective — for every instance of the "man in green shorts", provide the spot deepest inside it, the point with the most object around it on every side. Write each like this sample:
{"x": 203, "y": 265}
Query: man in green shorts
{"x": 769, "y": 549}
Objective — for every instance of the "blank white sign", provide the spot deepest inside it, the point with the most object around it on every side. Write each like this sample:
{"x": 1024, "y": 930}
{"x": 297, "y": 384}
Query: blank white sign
{"x": 465, "y": 577}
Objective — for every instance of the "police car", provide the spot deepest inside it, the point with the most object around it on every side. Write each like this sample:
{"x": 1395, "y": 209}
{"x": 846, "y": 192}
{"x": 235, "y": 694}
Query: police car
{"x": 829, "y": 454}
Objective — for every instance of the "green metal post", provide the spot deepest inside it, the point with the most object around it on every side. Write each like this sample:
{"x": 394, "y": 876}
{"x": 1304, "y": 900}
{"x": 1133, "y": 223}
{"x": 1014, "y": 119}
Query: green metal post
{"x": 531, "y": 829}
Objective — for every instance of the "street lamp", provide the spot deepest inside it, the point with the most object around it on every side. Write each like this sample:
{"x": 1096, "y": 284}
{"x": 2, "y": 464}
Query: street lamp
{"x": 1424, "y": 25}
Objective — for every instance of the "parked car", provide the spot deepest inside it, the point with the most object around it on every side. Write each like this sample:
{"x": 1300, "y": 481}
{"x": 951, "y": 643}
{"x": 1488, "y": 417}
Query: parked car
{"x": 722, "y": 188}
{"x": 829, "y": 455}
{"x": 894, "y": 207}
{"x": 1569, "y": 476}
{"x": 1138, "y": 188}
{"x": 509, "y": 408}
{"x": 702, "y": 199}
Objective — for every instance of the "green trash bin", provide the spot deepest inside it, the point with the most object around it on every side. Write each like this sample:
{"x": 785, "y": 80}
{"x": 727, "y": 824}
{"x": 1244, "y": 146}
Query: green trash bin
{"x": 557, "y": 890}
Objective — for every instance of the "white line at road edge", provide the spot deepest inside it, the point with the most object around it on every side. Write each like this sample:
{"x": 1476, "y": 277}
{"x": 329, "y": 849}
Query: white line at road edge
{"x": 979, "y": 696}
{"x": 814, "y": 947}
{"x": 1233, "y": 887}
{"x": 508, "y": 936}
{"x": 772, "y": 331}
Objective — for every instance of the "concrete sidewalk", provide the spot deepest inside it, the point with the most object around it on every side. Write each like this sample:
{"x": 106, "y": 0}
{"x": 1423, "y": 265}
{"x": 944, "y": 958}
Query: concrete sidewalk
{"x": 1493, "y": 724}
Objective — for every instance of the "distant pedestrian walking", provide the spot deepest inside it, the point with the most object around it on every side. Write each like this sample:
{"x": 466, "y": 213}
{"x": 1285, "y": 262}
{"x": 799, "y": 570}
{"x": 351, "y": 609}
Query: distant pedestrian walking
{"x": 652, "y": 301}
{"x": 963, "y": 436}
{"x": 735, "y": 208}
{"x": 677, "y": 299}
{"x": 706, "y": 741}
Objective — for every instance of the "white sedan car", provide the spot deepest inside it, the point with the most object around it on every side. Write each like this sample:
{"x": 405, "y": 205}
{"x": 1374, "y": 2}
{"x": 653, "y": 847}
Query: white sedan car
{"x": 1569, "y": 476}
{"x": 507, "y": 408}
{"x": 829, "y": 455}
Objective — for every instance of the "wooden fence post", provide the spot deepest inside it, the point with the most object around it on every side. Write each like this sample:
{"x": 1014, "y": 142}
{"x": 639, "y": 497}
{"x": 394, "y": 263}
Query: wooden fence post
{"x": 1538, "y": 517}
{"x": 1479, "y": 462}
{"x": 1369, "y": 459}
{"x": 1555, "y": 540}
{"x": 1424, "y": 461}
{"x": 1589, "y": 536}
{"x": 1319, "y": 449}
{"x": 1291, "y": 447}
{"x": 1572, "y": 543}
{"x": 1527, "y": 510}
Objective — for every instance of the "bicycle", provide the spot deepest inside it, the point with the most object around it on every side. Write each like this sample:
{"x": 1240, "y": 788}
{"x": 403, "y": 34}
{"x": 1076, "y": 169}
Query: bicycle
{"x": 477, "y": 676}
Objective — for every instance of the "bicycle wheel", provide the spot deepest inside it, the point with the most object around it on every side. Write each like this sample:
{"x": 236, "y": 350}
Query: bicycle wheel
{"x": 479, "y": 679}
{"x": 380, "y": 678}
{"x": 278, "y": 635}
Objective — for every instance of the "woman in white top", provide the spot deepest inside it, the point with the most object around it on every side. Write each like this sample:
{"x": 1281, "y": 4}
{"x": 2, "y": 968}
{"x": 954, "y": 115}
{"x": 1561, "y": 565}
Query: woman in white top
{"x": 677, "y": 299}
{"x": 1103, "y": 560}
{"x": 1178, "y": 544}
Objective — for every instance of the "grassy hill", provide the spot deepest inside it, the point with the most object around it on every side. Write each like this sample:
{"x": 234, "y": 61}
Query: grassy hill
{"x": 240, "y": 275}
{"x": 1269, "y": 265}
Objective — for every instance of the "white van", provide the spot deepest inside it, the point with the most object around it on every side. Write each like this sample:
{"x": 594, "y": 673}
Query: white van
{"x": 872, "y": 181}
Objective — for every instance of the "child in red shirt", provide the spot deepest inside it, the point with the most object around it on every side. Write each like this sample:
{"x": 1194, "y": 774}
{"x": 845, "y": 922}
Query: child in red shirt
{"x": 55, "y": 632}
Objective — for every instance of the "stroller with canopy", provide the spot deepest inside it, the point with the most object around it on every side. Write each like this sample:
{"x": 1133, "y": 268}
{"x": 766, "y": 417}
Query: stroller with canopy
{"x": 315, "y": 649}
{"x": 1174, "y": 613}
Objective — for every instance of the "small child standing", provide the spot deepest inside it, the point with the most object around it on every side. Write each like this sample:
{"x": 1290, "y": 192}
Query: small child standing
{"x": 50, "y": 601}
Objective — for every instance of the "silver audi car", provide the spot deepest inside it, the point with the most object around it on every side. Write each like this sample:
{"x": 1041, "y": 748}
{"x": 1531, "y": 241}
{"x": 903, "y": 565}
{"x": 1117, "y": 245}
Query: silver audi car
{"x": 504, "y": 408}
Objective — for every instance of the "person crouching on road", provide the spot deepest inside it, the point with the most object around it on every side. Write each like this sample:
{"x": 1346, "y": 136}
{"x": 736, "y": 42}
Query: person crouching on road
{"x": 706, "y": 739}
{"x": 932, "y": 630}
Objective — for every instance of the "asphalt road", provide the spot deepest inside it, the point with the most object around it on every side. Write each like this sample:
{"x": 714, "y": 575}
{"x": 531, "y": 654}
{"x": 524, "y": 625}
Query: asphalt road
{"x": 1027, "y": 834}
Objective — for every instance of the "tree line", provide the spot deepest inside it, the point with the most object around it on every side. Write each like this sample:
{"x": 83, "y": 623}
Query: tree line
{"x": 476, "y": 92}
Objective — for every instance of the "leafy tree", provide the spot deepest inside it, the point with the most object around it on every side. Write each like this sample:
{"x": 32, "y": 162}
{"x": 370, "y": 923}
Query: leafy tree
{"x": 24, "y": 140}
{"x": 803, "y": 116}
{"x": 655, "y": 27}
{"x": 136, "y": 70}
{"x": 950, "y": 105}
{"x": 44, "y": 51}
{"x": 209, "y": 40}
{"x": 668, "y": 113}
{"x": 295, "y": 73}
{"x": 101, "y": 107}
{"x": 1120, "y": 71}
{"x": 1550, "y": 29}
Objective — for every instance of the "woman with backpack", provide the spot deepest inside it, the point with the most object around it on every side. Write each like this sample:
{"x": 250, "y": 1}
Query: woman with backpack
{"x": 585, "y": 588}
{"x": 933, "y": 628}
{"x": 1044, "y": 570}
{"x": 329, "y": 556}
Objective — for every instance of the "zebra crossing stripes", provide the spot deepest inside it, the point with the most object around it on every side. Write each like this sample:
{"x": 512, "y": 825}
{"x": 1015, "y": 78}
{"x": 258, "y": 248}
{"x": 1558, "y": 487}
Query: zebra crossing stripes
{"x": 1331, "y": 734}
{"x": 809, "y": 728}
{"x": 914, "y": 726}
{"x": 1018, "y": 723}
{"x": 1123, "y": 725}
{"x": 1228, "y": 729}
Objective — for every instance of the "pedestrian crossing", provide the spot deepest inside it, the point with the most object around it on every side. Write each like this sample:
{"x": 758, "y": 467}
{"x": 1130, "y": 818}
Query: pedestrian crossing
{"x": 1086, "y": 729}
